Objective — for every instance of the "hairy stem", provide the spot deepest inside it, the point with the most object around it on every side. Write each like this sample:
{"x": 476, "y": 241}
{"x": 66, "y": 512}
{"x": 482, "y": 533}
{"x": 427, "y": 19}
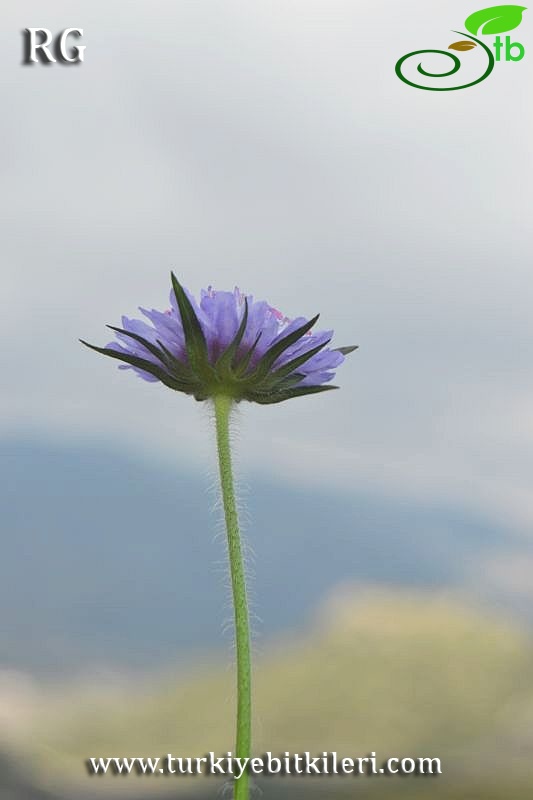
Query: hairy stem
{"x": 223, "y": 406}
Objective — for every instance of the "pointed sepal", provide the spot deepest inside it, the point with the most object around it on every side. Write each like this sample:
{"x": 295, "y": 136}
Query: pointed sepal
{"x": 140, "y": 363}
{"x": 289, "y": 394}
{"x": 195, "y": 342}
{"x": 226, "y": 360}
{"x": 274, "y": 352}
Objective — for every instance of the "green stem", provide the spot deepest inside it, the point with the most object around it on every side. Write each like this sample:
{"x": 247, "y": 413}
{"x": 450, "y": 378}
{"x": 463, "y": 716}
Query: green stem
{"x": 223, "y": 406}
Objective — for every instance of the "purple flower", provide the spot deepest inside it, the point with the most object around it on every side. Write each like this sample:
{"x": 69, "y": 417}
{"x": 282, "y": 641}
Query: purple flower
{"x": 228, "y": 343}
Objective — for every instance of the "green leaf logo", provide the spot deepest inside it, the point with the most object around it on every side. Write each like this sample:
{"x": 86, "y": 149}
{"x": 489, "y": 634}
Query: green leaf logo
{"x": 496, "y": 19}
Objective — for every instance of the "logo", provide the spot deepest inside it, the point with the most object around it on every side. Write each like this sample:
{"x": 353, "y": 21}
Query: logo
{"x": 41, "y": 47}
{"x": 487, "y": 22}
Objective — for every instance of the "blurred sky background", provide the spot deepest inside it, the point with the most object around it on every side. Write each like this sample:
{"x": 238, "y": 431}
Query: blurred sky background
{"x": 267, "y": 145}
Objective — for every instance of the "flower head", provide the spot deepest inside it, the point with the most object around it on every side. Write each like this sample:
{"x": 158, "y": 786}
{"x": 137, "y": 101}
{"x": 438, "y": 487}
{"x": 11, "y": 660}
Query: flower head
{"x": 228, "y": 343}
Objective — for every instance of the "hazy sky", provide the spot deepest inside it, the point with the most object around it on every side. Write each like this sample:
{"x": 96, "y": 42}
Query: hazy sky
{"x": 270, "y": 145}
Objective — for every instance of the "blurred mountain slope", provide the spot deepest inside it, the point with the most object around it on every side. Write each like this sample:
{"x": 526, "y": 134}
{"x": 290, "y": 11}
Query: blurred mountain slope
{"x": 108, "y": 558}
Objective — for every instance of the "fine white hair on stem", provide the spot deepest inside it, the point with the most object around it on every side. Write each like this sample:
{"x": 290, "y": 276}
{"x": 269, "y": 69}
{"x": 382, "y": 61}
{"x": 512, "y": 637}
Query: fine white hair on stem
{"x": 221, "y": 565}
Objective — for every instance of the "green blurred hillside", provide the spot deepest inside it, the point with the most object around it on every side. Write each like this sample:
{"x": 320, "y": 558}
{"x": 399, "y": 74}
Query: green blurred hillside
{"x": 401, "y": 674}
